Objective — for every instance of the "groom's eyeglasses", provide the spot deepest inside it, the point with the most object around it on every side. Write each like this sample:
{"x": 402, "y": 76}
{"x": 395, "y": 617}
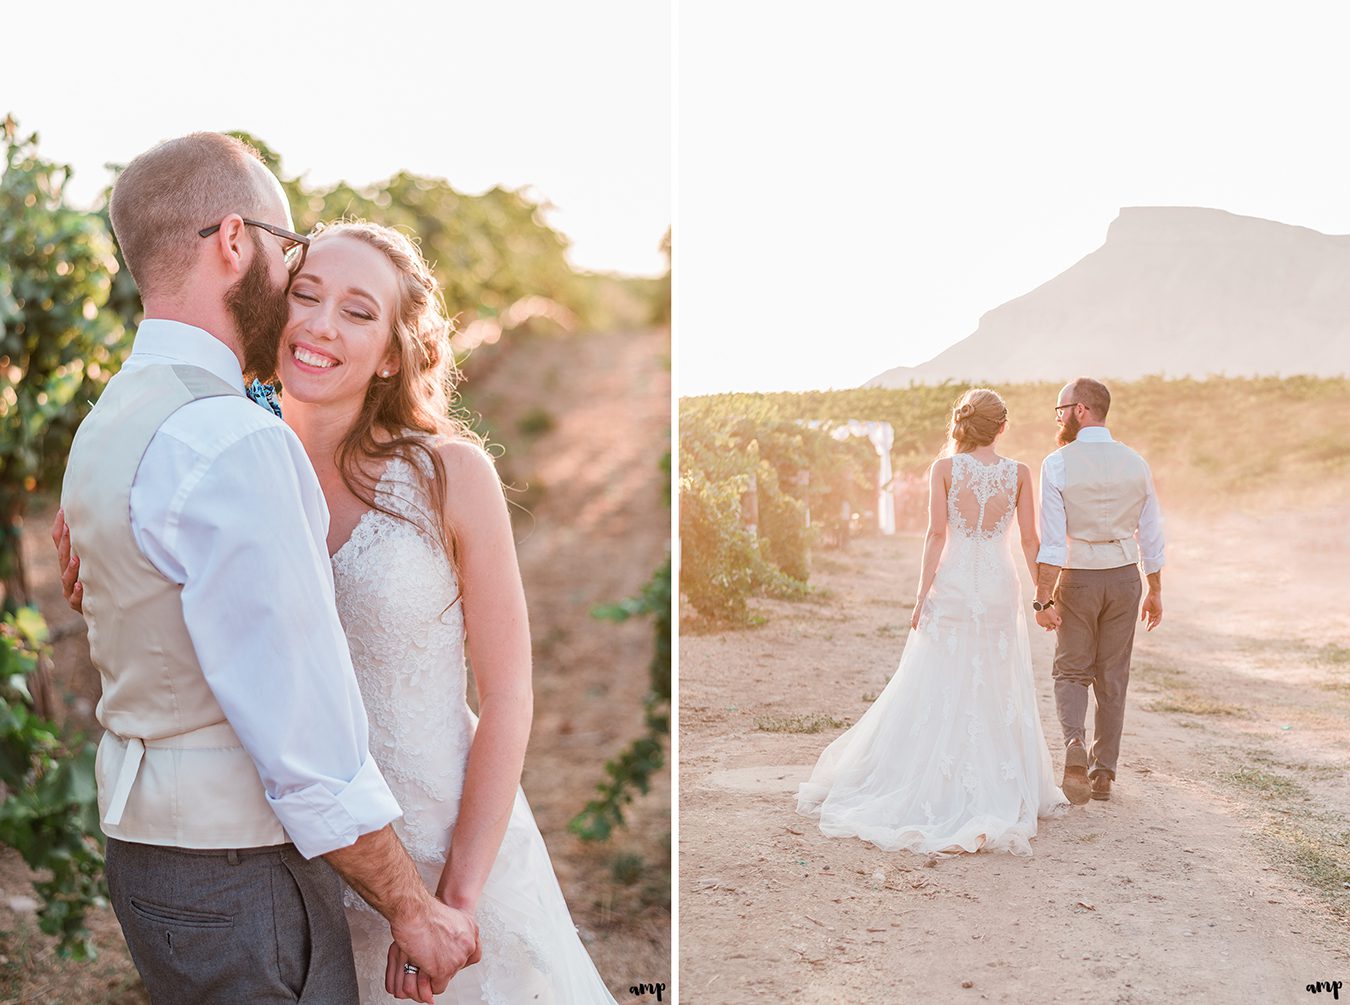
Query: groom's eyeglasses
{"x": 1059, "y": 409}
{"x": 293, "y": 246}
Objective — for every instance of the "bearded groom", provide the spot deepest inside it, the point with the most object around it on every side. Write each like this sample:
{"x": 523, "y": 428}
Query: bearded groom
{"x": 1099, "y": 521}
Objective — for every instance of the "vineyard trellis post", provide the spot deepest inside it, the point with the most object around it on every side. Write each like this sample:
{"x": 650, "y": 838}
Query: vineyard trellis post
{"x": 750, "y": 506}
{"x": 803, "y": 483}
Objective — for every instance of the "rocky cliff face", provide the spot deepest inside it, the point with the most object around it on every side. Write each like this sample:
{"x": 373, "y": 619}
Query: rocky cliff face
{"x": 1173, "y": 291}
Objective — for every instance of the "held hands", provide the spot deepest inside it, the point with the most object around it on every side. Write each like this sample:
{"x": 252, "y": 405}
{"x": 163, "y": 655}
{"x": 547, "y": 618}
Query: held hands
{"x": 69, "y": 563}
{"x": 1049, "y": 619}
{"x": 441, "y": 942}
{"x": 1151, "y": 614}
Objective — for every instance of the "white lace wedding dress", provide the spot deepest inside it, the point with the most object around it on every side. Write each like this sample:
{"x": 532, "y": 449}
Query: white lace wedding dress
{"x": 951, "y": 755}
{"x": 395, "y": 588}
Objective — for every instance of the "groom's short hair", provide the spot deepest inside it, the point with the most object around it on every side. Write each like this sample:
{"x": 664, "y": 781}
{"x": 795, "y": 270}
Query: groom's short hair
{"x": 167, "y": 194}
{"x": 1091, "y": 394}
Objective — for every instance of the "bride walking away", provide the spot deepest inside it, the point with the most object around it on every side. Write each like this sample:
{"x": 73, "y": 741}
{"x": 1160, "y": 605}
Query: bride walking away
{"x": 951, "y": 756}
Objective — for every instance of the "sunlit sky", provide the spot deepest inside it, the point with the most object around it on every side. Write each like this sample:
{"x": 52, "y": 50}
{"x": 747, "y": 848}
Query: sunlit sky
{"x": 572, "y": 99}
{"x": 859, "y": 182}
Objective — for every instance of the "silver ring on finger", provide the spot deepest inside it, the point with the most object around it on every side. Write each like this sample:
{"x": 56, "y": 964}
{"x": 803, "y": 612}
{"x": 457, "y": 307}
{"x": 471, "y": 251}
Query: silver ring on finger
{"x": 410, "y": 968}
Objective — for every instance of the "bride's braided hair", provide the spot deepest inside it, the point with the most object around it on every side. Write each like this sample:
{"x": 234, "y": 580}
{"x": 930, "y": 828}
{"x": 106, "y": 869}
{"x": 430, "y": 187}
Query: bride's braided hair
{"x": 975, "y": 420}
{"x": 420, "y": 398}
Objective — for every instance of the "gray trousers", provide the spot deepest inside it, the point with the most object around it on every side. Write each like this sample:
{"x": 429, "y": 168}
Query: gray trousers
{"x": 1099, "y": 608}
{"x": 252, "y": 925}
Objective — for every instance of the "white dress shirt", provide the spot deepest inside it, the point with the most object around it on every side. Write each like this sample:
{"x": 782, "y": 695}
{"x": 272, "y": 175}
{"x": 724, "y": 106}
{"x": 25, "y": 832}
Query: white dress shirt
{"x": 226, "y": 503}
{"x": 1054, "y": 525}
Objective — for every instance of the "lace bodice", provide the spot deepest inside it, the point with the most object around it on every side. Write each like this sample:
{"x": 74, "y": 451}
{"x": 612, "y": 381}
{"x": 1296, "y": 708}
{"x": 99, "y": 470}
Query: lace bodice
{"x": 397, "y": 597}
{"x": 982, "y": 497}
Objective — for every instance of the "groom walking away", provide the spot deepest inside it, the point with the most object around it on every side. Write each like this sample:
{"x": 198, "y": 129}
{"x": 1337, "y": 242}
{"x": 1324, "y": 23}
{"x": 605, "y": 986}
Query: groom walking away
{"x": 1099, "y": 518}
{"x": 235, "y": 751}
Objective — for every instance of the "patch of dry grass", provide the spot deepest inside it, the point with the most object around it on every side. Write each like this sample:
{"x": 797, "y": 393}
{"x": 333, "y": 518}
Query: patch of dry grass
{"x": 1180, "y": 696}
{"x": 1189, "y": 703}
{"x": 812, "y": 722}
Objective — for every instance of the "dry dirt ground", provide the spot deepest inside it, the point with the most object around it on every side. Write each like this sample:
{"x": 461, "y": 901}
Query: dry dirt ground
{"x": 1219, "y": 870}
{"x": 585, "y": 420}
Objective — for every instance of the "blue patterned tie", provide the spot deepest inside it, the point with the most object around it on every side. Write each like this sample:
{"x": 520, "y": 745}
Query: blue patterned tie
{"x": 265, "y": 395}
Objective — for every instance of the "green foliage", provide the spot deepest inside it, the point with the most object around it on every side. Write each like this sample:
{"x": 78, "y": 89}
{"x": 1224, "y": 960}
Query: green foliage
{"x": 661, "y": 305}
{"x": 536, "y": 422}
{"x": 58, "y": 344}
{"x": 718, "y": 554}
{"x": 1207, "y": 441}
{"x": 729, "y": 444}
{"x": 50, "y": 810}
{"x": 489, "y": 251}
{"x": 633, "y": 769}
{"x": 627, "y": 868}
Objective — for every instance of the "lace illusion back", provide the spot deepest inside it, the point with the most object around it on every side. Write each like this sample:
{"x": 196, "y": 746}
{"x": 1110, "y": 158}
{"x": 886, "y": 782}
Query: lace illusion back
{"x": 399, "y": 601}
{"x": 982, "y": 497}
{"x": 951, "y": 755}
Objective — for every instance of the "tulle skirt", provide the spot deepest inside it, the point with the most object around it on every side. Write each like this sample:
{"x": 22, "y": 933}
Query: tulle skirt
{"x": 951, "y": 756}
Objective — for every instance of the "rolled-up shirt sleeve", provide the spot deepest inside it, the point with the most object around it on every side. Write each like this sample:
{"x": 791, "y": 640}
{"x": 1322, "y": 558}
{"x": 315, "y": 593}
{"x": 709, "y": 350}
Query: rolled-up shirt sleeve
{"x": 1054, "y": 524}
{"x": 245, "y": 535}
{"x": 1150, "y": 532}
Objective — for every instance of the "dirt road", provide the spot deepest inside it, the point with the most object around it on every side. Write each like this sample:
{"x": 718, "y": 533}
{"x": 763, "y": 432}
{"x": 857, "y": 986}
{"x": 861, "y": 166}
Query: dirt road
{"x": 1219, "y": 871}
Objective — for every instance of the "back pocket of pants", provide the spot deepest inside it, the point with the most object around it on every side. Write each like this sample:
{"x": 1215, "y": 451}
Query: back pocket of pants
{"x": 182, "y": 917}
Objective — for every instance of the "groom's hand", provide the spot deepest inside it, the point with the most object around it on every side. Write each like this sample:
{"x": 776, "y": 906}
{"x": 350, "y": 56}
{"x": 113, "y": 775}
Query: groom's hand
{"x": 1049, "y": 619}
{"x": 440, "y": 941}
{"x": 69, "y": 563}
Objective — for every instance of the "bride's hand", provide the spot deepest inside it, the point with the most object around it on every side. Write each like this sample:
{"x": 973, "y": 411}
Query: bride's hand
{"x": 69, "y": 563}
{"x": 918, "y": 613}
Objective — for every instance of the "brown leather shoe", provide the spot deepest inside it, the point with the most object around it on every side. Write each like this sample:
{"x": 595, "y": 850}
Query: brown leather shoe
{"x": 1075, "y": 784}
{"x": 1101, "y": 785}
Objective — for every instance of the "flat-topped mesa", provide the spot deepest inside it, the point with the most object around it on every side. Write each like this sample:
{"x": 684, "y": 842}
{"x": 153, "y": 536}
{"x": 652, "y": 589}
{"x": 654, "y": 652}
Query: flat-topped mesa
{"x": 1177, "y": 291}
{"x": 1187, "y": 224}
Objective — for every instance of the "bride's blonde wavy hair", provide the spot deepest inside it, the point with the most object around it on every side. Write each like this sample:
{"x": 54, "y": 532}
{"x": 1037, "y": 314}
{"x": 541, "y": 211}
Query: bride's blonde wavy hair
{"x": 405, "y": 414}
{"x": 975, "y": 421}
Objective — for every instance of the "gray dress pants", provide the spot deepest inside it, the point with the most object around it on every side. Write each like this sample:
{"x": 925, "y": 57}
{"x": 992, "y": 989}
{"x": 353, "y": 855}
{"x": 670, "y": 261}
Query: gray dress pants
{"x": 260, "y": 925}
{"x": 1099, "y": 608}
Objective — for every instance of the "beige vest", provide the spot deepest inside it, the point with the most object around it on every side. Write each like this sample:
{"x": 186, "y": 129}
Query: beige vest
{"x": 1105, "y": 486}
{"x": 170, "y": 769}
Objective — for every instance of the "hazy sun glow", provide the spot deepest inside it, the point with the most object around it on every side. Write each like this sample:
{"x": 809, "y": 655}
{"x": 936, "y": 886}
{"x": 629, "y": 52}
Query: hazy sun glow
{"x": 573, "y": 99}
{"x": 859, "y": 183}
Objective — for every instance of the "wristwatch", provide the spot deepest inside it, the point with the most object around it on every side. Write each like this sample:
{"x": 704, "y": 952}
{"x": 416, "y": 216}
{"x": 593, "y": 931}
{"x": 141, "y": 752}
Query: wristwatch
{"x": 1037, "y": 606}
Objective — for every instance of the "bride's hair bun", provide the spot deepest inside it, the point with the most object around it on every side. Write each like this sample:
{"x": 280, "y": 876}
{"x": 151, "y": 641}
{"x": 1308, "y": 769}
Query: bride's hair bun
{"x": 976, "y": 420}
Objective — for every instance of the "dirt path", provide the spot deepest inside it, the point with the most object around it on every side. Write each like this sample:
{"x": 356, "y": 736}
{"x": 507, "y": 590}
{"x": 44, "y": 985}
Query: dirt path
{"x": 1215, "y": 871}
{"x": 597, "y": 528}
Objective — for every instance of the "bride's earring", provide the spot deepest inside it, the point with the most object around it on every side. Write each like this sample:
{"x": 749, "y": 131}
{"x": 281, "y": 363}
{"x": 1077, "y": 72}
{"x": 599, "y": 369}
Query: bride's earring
{"x": 384, "y": 373}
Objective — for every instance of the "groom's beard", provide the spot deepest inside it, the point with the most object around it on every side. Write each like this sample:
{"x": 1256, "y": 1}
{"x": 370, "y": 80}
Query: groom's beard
{"x": 1069, "y": 431}
{"x": 260, "y": 314}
